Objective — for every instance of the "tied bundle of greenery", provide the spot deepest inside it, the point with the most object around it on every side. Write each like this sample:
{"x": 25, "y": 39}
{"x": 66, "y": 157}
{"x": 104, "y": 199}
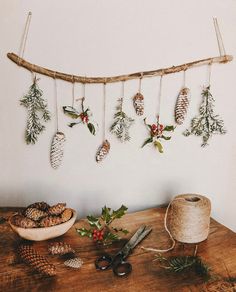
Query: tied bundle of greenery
{"x": 37, "y": 112}
{"x": 101, "y": 230}
{"x": 207, "y": 123}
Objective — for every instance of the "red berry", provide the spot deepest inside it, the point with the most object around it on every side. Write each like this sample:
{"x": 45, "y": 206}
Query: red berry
{"x": 154, "y": 127}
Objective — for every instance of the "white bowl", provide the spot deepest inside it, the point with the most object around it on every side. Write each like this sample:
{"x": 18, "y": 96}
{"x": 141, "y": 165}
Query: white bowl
{"x": 43, "y": 233}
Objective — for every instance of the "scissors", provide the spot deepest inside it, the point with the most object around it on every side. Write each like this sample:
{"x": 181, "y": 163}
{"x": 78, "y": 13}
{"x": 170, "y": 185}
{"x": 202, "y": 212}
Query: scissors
{"x": 118, "y": 264}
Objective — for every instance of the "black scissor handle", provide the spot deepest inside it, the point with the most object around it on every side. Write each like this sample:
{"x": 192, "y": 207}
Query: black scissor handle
{"x": 104, "y": 262}
{"x": 122, "y": 269}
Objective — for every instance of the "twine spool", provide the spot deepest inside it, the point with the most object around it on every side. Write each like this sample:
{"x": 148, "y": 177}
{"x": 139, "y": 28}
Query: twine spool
{"x": 189, "y": 218}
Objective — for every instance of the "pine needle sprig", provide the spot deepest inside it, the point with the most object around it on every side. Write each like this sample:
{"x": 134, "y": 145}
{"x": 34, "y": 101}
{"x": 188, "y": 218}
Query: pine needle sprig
{"x": 121, "y": 126}
{"x": 207, "y": 123}
{"x": 37, "y": 111}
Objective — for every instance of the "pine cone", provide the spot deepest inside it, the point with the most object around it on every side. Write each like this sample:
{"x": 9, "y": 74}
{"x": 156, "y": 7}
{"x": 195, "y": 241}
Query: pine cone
{"x": 66, "y": 214}
{"x": 57, "y": 149}
{"x": 181, "y": 106}
{"x": 23, "y": 222}
{"x": 50, "y": 221}
{"x": 75, "y": 263}
{"x": 138, "y": 102}
{"x": 103, "y": 151}
{"x": 39, "y": 205}
{"x": 35, "y": 214}
{"x": 60, "y": 248}
{"x": 36, "y": 261}
{"x": 57, "y": 209}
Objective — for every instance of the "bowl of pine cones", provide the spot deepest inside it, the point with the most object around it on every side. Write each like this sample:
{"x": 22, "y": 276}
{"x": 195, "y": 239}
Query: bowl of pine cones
{"x": 40, "y": 221}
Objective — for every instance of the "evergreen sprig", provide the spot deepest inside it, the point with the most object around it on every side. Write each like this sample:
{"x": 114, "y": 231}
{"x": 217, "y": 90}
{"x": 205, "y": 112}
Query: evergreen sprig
{"x": 207, "y": 123}
{"x": 121, "y": 126}
{"x": 37, "y": 111}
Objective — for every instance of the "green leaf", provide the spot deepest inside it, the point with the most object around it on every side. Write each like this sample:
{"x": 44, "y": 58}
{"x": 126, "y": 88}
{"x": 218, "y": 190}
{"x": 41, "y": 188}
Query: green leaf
{"x": 106, "y": 216}
{"x": 169, "y": 128}
{"x": 71, "y": 125}
{"x": 119, "y": 212}
{"x": 110, "y": 236}
{"x": 91, "y": 128}
{"x": 165, "y": 138}
{"x": 159, "y": 147}
{"x": 149, "y": 140}
{"x": 94, "y": 222}
{"x": 84, "y": 232}
{"x": 71, "y": 112}
{"x": 125, "y": 231}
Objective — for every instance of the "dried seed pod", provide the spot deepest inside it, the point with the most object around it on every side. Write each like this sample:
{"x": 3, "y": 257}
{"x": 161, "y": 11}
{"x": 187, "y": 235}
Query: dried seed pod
{"x": 39, "y": 205}
{"x": 181, "y": 106}
{"x": 103, "y": 150}
{"x": 57, "y": 209}
{"x": 23, "y": 222}
{"x": 75, "y": 263}
{"x": 50, "y": 221}
{"x": 60, "y": 248}
{"x": 138, "y": 102}
{"x": 36, "y": 261}
{"x": 66, "y": 214}
{"x": 35, "y": 214}
{"x": 57, "y": 149}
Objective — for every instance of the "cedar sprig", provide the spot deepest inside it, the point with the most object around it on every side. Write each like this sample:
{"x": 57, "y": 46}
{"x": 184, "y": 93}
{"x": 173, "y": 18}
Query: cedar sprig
{"x": 207, "y": 123}
{"x": 37, "y": 111}
{"x": 122, "y": 123}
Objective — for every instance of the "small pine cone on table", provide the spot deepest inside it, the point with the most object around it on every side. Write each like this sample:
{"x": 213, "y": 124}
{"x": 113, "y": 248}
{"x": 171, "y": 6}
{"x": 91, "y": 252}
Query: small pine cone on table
{"x": 66, "y": 215}
{"x": 23, "y": 222}
{"x": 35, "y": 214}
{"x": 57, "y": 209}
{"x": 75, "y": 263}
{"x": 103, "y": 150}
{"x": 39, "y": 205}
{"x": 138, "y": 102}
{"x": 181, "y": 106}
{"x": 36, "y": 261}
{"x": 60, "y": 248}
{"x": 50, "y": 221}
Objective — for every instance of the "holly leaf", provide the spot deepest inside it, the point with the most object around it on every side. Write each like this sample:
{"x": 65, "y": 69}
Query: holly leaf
{"x": 111, "y": 236}
{"x": 125, "y": 231}
{"x": 119, "y": 212}
{"x": 106, "y": 216}
{"x": 71, "y": 125}
{"x": 84, "y": 232}
{"x": 149, "y": 140}
{"x": 158, "y": 146}
{"x": 91, "y": 128}
{"x": 169, "y": 128}
{"x": 71, "y": 112}
{"x": 165, "y": 138}
{"x": 94, "y": 222}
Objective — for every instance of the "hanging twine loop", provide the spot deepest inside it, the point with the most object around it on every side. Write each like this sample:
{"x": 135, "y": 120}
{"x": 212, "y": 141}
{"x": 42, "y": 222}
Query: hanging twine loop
{"x": 73, "y": 91}
{"x": 104, "y": 111}
{"x": 56, "y": 102}
{"x": 184, "y": 78}
{"x": 209, "y": 72}
{"x": 219, "y": 38}
{"x": 140, "y": 82}
{"x": 159, "y": 96}
{"x": 24, "y": 39}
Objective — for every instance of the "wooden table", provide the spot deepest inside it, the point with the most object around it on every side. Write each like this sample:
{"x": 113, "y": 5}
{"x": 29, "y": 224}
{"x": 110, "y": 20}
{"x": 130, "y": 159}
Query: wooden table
{"x": 219, "y": 251}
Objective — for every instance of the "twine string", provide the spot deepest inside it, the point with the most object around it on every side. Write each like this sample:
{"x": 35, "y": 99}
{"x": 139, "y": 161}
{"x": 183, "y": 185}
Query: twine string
{"x": 140, "y": 83}
{"x": 220, "y": 42}
{"x": 104, "y": 111}
{"x": 56, "y": 102}
{"x": 209, "y": 73}
{"x": 24, "y": 38}
{"x": 184, "y": 77}
{"x": 73, "y": 91}
{"x": 122, "y": 95}
{"x": 159, "y": 97}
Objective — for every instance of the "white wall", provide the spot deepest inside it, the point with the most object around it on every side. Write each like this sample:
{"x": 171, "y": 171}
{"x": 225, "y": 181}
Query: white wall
{"x": 104, "y": 38}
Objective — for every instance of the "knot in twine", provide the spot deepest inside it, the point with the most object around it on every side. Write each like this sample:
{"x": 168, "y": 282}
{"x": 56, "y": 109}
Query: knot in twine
{"x": 188, "y": 220}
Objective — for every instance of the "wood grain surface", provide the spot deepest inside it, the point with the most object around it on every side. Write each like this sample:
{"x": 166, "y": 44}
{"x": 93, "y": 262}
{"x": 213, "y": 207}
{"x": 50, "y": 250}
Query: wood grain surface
{"x": 219, "y": 251}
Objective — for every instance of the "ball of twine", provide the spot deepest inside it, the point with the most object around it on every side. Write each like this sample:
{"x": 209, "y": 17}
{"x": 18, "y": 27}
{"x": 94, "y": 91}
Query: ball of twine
{"x": 188, "y": 220}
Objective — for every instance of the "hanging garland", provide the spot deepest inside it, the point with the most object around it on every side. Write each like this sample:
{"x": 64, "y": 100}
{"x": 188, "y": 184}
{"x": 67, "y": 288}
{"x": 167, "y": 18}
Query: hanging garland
{"x": 121, "y": 126}
{"x": 37, "y": 112}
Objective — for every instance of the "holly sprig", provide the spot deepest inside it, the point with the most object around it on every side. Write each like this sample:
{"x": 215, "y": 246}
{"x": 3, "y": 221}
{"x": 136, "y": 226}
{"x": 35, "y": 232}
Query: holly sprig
{"x": 83, "y": 117}
{"x": 100, "y": 227}
{"x": 156, "y": 133}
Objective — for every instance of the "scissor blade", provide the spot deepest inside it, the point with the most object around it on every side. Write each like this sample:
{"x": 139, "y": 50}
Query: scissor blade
{"x": 145, "y": 232}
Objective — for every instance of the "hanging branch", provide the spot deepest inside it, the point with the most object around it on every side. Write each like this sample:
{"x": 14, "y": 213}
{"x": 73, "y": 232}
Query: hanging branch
{"x": 158, "y": 72}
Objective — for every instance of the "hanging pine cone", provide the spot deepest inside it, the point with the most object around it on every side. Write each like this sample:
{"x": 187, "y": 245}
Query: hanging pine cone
{"x": 75, "y": 263}
{"x": 57, "y": 149}
{"x": 23, "y": 222}
{"x": 36, "y": 261}
{"x": 60, "y": 248}
{"x": 66, "y": 215}
{"x": 39, "y": 205}
{"x": 103, "y": 151}
{"x": 50, "y": 221}
{"x": 181, "y": 106}
{"x": 57, "y": 209}
{"x": 138, "y": 102}
{"x": 35, "y": 214}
